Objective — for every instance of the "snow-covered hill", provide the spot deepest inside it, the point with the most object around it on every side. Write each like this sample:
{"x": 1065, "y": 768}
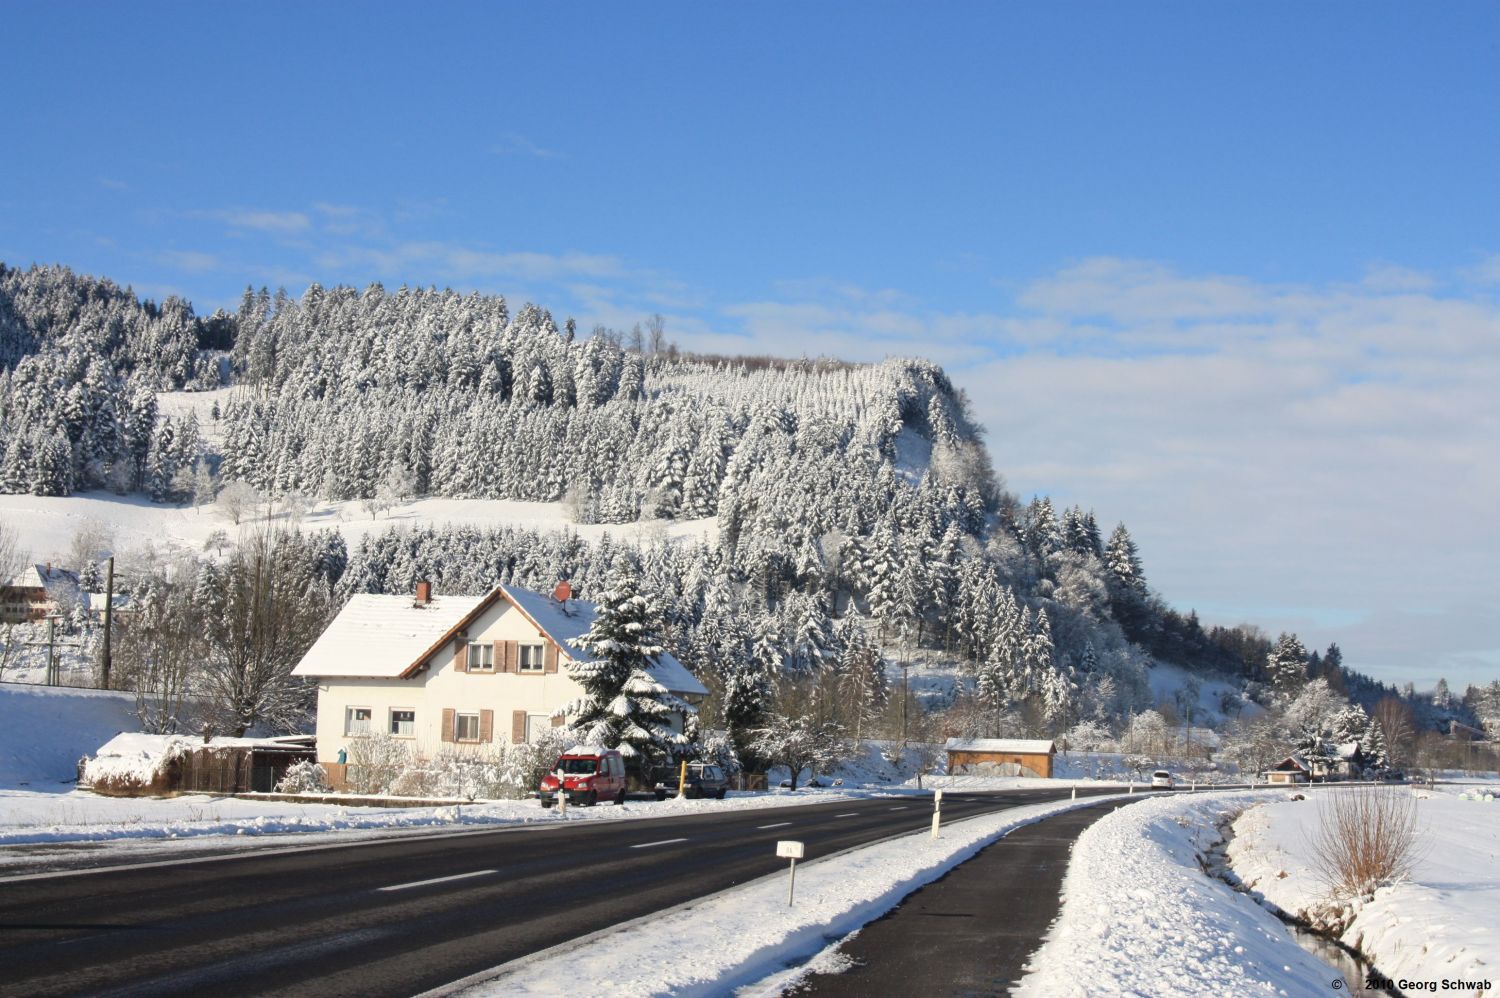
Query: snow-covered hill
{"x": 47, "y": 524}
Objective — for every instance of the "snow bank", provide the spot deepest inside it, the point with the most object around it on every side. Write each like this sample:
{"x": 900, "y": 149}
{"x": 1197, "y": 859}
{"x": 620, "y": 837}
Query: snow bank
{"x": 45, "y": 730}
{"x": 30, "y": 818}
{"x": 746, "y": 934}
{"x": 1443, "y": 924}
{"x": 1140, "y": 917}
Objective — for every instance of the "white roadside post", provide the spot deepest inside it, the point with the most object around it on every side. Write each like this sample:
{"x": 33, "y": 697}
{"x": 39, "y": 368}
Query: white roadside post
{"x": 1075, "y": 792}
{"x": 792, "y": 850}
{"x": 562, "y": 795}
{"x": 937, "y": 811}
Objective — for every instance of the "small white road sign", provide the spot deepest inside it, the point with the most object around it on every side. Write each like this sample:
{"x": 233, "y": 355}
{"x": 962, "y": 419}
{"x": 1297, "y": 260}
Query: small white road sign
{"x": 787, "y": 849}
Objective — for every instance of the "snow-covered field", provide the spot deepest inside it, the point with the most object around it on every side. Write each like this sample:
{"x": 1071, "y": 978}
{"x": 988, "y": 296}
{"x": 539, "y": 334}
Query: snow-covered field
{"x": 1140, "y": 917}
{"x": 44, "y": 731}
{"x": 1441, "y": 925}
{"x": 47, "y": 524}
{"x": 745, "y": 937}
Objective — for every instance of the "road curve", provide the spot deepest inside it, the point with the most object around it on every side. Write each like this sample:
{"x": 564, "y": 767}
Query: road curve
{"x": 398, "y": 917}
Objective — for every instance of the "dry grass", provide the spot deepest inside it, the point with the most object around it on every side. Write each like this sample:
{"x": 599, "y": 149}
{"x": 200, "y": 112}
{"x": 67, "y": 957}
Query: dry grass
{"x": 1367, "y": 836}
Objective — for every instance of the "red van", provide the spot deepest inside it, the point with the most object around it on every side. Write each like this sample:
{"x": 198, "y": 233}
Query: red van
{"x": 585, "y": 776}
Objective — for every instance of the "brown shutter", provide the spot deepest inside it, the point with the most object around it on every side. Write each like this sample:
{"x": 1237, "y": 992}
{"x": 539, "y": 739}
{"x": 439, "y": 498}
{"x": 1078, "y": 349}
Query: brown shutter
{"x": 558, "y": 720}
{"x": 447, "y": 724}
{"x": 518, "y": 726}
{"x": 486, "y": 725}
{"x": 461, "y": 656}
{"x": 549, "y": 657}
{"x": 500, "y": 657}
{"x": 512, "y": 656}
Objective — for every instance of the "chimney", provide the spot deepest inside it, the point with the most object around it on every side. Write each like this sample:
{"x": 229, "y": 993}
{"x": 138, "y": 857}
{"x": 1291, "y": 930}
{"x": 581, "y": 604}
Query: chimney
{"x": 424, "y": 593}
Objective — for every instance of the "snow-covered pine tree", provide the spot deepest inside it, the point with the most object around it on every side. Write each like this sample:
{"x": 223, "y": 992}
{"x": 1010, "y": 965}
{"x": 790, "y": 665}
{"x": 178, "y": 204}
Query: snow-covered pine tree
{"x": 622, "y": 706}
{"x": 1286, "y": 666}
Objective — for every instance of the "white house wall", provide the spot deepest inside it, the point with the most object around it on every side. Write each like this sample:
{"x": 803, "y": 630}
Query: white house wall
{"x": 442, "y": 686}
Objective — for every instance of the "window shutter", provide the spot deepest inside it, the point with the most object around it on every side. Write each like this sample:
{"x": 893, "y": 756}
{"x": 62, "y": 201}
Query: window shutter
{"x": 461, "y": 656}
{"x": 500, "y": 657}
{"x": 518, "y": 726}
{"x": 558, "y": 720}
{"x": 486, "y": 725}
{"x": 447, "y": 724}
{"x": 549, "y": 657}
{"x": 512, "y": 656}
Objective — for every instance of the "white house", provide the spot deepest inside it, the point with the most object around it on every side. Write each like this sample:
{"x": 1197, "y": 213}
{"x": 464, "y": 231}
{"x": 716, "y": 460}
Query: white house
{"x": 448, "y": 671}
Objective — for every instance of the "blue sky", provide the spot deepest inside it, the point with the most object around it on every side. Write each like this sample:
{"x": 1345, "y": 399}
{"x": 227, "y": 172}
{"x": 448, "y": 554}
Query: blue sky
{"x": 1226, "y": 273}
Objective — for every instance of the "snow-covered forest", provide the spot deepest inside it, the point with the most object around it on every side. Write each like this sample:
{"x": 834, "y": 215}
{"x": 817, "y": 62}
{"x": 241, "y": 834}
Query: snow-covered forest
{"x": 861, "y": 526}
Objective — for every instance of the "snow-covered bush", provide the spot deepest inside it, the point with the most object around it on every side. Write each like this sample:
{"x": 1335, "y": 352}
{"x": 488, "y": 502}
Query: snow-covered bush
{"x": 534, "y": 760}
{"x": 305, "y": 777}
{"x": 375, "y": 761}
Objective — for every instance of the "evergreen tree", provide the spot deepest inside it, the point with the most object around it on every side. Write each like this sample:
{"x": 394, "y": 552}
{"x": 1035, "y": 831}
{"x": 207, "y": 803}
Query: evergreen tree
{"x": 622, "y": 705}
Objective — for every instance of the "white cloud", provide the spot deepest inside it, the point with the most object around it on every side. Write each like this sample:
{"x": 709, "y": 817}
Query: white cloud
{"x": 192, "y": 261}
{"x": 1320, "y": 447}
{"x": 515, "y": 144}
{"x": 271, "y": 222}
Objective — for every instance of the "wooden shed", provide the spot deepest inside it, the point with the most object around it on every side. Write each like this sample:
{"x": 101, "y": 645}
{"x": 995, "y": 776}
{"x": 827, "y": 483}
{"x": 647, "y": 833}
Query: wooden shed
{"x": 1000, "y": 756}
{"x": 1289, "y": 770}
{"x": 142, "y": 765}
{"x": 253, "y": 765}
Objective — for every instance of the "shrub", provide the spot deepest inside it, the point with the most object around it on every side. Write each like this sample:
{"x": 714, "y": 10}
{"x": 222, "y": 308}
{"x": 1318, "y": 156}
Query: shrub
{"x": 305, "y": 777}
{"x": 374, "y": 763}
{"x": 1366, "y": 837}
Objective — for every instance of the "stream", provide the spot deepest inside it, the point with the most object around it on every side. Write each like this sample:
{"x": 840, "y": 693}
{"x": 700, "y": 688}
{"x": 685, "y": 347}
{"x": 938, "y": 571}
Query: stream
{"x": 1354, "y": 969}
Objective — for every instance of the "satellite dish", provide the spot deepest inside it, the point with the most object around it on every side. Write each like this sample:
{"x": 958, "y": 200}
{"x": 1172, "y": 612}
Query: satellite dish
{"x": 563, "y": 592}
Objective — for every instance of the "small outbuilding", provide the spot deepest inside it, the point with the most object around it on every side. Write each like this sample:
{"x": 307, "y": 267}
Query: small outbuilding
{"x": 1000, "y": 756}
{"x": 141, "y": 765}
{"x": 1292, "y": 769}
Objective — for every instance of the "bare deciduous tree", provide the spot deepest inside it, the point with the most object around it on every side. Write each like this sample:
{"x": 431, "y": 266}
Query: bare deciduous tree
{"x": 12, "y": 557}
{"x": 238, "y": 500}
{"x": 267, "y": 604}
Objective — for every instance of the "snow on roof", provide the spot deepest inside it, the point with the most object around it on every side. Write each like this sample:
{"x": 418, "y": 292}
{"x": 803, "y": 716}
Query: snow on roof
{"x": 1022, "y": 746}
{"x": 43, "y": 577}
{"x": 1296, "y": 760}
{"x": 566, "y": 623}
{"x": 135, "y": 757}
{"x": 1347, "y": 750}
{"x": 586, "y": 750}
{"x": 380, "y": 636}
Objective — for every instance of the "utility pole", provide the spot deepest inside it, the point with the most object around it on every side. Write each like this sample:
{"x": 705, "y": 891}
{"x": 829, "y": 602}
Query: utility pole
{"x": 109, "y": 599}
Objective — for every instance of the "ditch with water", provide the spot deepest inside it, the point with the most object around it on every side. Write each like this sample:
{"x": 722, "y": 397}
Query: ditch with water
{"x": 1346, "y": 962}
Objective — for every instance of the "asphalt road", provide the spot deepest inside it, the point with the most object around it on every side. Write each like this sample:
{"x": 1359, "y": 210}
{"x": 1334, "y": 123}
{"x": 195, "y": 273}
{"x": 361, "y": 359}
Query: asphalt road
{"x": 402, "y": 916}
{"x": 971, "y": 932}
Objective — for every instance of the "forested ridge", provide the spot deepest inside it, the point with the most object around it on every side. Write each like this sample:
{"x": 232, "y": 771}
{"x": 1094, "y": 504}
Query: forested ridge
{"x": 860, "y": 521}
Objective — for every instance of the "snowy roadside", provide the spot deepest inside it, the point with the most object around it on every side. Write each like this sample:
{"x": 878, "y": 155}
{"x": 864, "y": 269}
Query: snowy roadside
{"x": 1443, "y": 924}
{"x": 746, "y": 936}
{"x": 28, "y": 818}
{"x": 1140, "y": 917}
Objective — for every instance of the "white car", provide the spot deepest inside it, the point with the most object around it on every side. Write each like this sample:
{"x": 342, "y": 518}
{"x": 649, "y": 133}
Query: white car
{"x": 1161, "y": 779}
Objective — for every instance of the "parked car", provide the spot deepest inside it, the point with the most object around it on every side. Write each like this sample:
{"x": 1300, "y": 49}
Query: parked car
{"x": 704, "y": 779}
{"x": 585, "y": 776}
{"x": 1163, "y": 780}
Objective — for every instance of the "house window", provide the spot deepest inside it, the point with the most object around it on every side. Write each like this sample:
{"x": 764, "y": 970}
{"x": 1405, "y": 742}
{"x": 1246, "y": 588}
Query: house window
{"x": 403, "y": 723}
{"x": 537, "y": 725}
{"x": 466, "y": 727}
{"x": 481, "y": 657}
{"x": 357, "y": 720}
{"x": 531, "y": 658}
